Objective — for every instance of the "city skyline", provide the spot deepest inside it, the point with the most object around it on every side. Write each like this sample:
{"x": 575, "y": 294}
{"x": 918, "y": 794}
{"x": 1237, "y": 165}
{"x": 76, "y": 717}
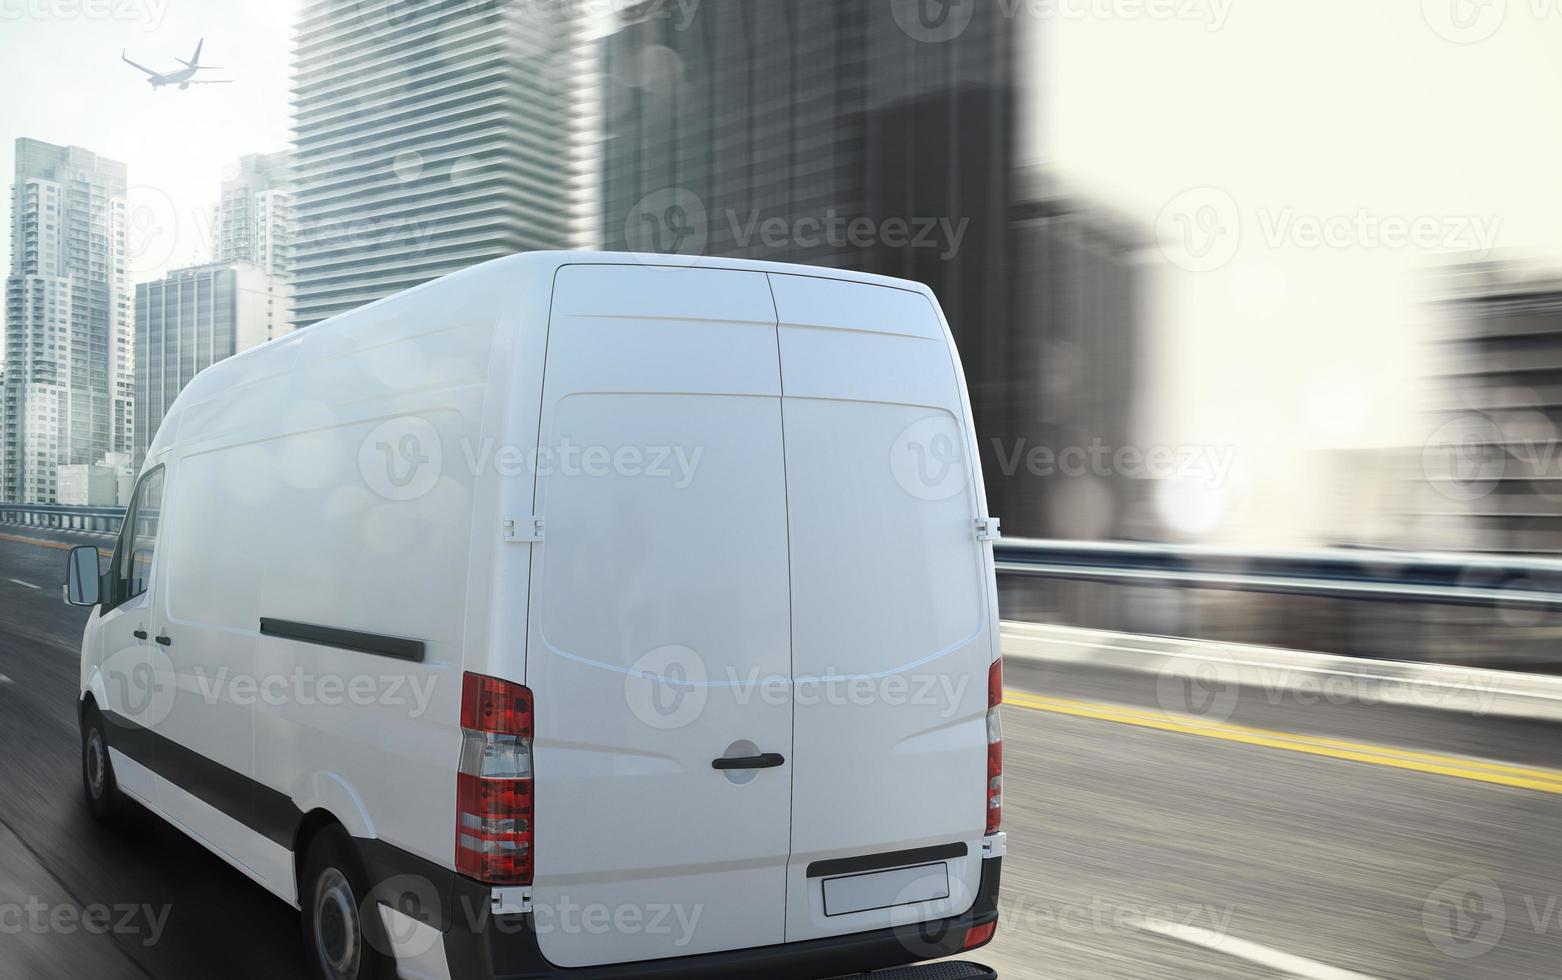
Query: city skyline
{"x": 68, "y": 396}
{"x": 175, "y": 145}
{"x": 88, "y": 382}
{"x": 1246, "y": 345}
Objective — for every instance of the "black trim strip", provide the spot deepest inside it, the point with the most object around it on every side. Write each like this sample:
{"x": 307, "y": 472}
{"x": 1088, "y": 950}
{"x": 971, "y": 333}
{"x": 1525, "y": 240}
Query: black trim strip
{"x": 329, "y": 636}
{"x": 418, "y": 887}
{"x": 415, "y": 886}
{"x": 885, "y": 861}
{"x": 266, "y": 811}
{"x": 507, "y": 947}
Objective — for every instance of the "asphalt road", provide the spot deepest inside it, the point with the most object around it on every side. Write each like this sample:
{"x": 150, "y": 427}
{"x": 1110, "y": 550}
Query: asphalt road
{"x": 1136, "y": 851}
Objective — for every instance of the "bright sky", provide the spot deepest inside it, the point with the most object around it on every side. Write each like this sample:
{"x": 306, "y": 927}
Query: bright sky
{"x": 68, "y": 86}
{"x": 1283, "y": 151}
{"x": 1436, "y": 112}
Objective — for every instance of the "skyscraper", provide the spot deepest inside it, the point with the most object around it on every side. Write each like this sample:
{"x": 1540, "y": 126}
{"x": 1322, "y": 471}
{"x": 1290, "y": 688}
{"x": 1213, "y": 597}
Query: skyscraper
{"x": 851, "y": 135}
{"x": 255, "y": 225}
{"x": 186, "y": 322}
{"x": 68, "y": 395}
{"x": 429, "y": 137}
{"x": 255, "y": 213}
{"x": 1489, "y": 472}
{"x": 1074, "y": 374}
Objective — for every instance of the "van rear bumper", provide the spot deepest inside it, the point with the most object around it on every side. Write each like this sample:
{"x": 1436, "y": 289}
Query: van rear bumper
{"x": 506, "y": 947}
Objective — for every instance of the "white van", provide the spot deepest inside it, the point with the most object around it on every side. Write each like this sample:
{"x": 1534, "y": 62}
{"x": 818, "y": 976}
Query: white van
{"x": 574, "y": 615}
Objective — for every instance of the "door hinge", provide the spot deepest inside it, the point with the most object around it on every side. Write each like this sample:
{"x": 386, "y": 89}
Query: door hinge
{"x": 523, "y": 530}
{"x": 510, "y": 901}
{"x": 987, "y": 529}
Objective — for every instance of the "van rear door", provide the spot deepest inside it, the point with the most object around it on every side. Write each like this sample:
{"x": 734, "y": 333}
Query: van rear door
{"x": 891, "y": 627}
{"x": 658, "y": 627}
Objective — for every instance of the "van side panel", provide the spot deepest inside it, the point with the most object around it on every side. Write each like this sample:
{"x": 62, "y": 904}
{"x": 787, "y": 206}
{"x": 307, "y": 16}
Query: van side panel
{"x": 330, "y": 479}
{"x": 210, "y": 567}
{"x": 891, "y": 639}
{"x": 204, "y": 590}
{"x": 362, "y": 510}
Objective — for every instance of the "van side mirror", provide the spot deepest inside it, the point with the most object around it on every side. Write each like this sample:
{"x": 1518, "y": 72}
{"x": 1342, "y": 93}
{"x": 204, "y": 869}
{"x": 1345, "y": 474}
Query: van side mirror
{"x": 81, "y": 576}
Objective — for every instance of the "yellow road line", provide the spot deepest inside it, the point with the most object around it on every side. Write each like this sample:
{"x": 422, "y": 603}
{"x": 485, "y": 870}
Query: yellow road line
{"x": 1040, "y": 700}
{"x": 1521, "y": 777}
{"x": 63, "y": 546}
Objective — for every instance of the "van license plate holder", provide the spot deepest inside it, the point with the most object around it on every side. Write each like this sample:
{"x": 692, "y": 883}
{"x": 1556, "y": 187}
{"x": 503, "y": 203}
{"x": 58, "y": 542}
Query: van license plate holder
{"x": 874, "y": 890}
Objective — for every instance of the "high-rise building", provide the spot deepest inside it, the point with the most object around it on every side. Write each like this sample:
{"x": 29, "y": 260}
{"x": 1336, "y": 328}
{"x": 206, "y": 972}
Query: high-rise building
{"x": 428, "y": 137}
{"x": 852, "y": 135}
{"x": 1074, "y": 375}
{"x": 255, "y": 213}
{"x": 188, "y": 321}
{"x": 255, "y": 225}
{"x": 68, "y": 396}
{"x": 1489, "y": 477}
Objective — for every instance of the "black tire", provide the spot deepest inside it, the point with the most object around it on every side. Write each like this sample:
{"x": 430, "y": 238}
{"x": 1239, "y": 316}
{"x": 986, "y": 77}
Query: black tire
{"x": 342, "y": 934}
{"x": 104, "y": 800}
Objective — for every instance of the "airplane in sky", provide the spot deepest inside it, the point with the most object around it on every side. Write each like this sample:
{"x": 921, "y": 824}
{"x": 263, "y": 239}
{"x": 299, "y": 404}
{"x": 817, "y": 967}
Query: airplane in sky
{"x": 182, "y": 77}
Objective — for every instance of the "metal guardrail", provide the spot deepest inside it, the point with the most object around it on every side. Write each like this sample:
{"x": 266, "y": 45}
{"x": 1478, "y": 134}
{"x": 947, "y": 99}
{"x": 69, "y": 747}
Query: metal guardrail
{"x": 1423, "y": 577}
{"x": 1427, "y": 577}
{"x": 62, "y": 517}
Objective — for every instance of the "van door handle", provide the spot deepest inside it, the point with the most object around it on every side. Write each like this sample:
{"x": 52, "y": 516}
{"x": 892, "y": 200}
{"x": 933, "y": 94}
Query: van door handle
{"x": 138, "y": 634}
{"x": 768, "y": 760}
{"x": 164, "y": 639}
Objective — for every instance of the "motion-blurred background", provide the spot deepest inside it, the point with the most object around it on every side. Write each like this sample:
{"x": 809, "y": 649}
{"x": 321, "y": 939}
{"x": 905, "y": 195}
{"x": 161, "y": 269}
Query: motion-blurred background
{"x": 1222, "y": 274}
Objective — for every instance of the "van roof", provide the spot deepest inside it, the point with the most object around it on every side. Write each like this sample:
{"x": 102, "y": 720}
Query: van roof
{"x": 546, "y": 262}
{"x": 480, "y": 291}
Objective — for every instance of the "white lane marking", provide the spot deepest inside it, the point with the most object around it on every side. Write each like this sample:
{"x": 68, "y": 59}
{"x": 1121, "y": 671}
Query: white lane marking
{"x": 1273, "y": 959}
{"x": 27, "y": 584}
{"x": 5, "y": 680}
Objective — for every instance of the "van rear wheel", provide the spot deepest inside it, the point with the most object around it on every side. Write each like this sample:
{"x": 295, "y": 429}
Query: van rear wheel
{"x": 336, "y": 919}
{"x": 104, "y": 800}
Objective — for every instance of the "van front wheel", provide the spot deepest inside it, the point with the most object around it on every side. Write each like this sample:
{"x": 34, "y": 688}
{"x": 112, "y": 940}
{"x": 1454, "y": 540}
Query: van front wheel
{"x": 335, "y": 913}
{"x": 104, "y": 800}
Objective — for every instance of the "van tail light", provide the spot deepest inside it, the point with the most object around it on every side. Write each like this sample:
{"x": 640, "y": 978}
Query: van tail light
{"x": 994, "y": 747}
{"x": 494, "y": 783}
